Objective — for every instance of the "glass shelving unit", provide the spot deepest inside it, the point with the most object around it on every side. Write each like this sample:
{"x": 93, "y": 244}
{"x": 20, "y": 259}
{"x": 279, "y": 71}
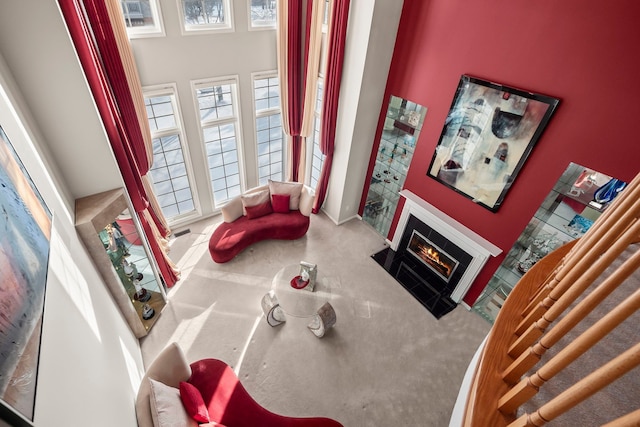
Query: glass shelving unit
{"x": 566, "y": 214}
{"x": 397, "y": 144}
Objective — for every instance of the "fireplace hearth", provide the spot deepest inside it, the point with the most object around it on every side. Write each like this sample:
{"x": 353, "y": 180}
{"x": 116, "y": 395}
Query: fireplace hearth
{"x": 434, "y": 257}
{"x": 427, "y": 265}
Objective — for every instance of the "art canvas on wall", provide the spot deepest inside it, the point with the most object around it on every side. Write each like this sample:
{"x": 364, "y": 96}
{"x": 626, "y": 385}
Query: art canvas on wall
{"x": 487, "y": 136}
{"x": 25, "y": 231}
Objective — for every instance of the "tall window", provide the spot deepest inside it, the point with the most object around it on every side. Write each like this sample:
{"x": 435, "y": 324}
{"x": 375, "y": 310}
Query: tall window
{"x": 216, "y": 101}
{"x": 169, "y": 171}
{"x": 205, "y": 15}
{"x": 317, "y": 158}
{"x": 269, "y": 136}
{"x": 142, "y": 18}
{"x": 262, "y": 14}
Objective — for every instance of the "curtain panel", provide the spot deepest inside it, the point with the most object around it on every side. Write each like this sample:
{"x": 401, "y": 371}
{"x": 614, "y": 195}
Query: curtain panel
{"x": 333, "y": 75}
{"x": 92, "y": 33}
{"x": 298, "y": 67}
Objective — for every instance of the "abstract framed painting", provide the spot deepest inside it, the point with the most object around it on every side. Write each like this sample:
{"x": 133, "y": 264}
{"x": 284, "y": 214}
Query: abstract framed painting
{"x": 25, "y": 222}
{"x": 487, "y": 136}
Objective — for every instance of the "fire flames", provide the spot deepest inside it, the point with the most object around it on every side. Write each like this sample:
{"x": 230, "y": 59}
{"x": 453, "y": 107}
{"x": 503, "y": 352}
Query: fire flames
{"x": 433, "y": 256}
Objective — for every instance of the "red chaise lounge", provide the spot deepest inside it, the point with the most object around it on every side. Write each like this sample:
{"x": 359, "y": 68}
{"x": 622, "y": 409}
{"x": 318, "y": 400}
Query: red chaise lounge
{"x": 160, "y": 397}
{"x": 279, "y": 210}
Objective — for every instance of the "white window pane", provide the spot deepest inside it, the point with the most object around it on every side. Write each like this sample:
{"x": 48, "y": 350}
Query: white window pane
{"x": 177, "y": 172}
{"x": 215, "y": 160}
{"x": 170, "y": 211}
{"x": 264, "y": 171}
{"x": 174, "y": 158}
{"x": 230, "y": 157}
{"x": 263, "y": 136}
{"x": 169, "y": 171}
{"x": 159, "y": 174}
{"x": 163, "y": 187}
{"x": 263, "y": 13}
{"x": 216, "y": 103}
{"x": 235, "y": 190}
{"x": 217, "y": 174}
{"x": 141, "y": 16}
{"x": 262, "y": 104}
{"x": 233, "y": 181}
{"x": 181, "y": 185}
{"x": 274, "y": 102}
{"x": 262, "y": 123}
{"x": 186, "y": 206}
{"x": 167, "y": 201}
{"x": 225, "y": 111}
{"x": 184, "y": 196}
{"x": 204, "y": 14}
{"x": 231, "y": 169}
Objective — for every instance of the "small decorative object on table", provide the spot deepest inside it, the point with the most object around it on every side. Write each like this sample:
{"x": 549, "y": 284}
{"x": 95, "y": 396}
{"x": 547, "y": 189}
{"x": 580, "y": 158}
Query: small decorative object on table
{"x": 308, "y": 273}
{"x": 272, "y": 310}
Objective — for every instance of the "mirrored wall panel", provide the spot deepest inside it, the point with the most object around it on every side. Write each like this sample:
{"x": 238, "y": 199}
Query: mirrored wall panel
{"x": 133, "y": 267}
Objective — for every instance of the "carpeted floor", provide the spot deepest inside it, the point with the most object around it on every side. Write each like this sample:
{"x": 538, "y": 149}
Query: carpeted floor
{"x": 387, "y": 361}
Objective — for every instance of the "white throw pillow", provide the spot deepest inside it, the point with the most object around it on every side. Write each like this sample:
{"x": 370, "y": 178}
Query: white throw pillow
{"x": 292, "y": 188}
{"x": 232, "y": 210}
{"x": 166, "y": 407}
{"x": 255, "y": 199}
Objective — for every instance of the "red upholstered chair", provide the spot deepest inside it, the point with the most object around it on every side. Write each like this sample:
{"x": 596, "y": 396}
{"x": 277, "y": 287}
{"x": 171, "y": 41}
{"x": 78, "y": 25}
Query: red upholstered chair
{"x": 231, "y": 405}
{"x": 227, "y": 401}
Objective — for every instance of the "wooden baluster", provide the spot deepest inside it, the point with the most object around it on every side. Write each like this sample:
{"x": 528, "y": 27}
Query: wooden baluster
{"x": 632, "y": 419}
{"x": 529, "y": 358}
{"x": 555, "y": 304}
{"x": 605, "y": 229}
{"x": 581, "y": 390}
{"x": 528, "y": 387}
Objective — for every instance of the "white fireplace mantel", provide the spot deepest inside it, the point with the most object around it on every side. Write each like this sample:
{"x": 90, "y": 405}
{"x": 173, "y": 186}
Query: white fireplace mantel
{"x": 474, "y": 244}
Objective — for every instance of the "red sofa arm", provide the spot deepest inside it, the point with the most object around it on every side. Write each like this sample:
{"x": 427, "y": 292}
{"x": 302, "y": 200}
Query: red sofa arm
{"x": 230, "y": 404}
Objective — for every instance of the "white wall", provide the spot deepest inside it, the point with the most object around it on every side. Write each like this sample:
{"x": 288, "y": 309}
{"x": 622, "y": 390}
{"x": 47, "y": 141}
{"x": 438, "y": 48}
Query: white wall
{"x": 370, "y": 42}
{"x": 36, "y": 47}
{"x": 90, "y": 363}
{"x": 180, "y": 59}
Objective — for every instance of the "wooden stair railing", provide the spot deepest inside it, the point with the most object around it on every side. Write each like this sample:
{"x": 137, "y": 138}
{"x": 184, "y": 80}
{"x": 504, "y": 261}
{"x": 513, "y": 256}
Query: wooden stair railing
{"x": 558, "y": 293}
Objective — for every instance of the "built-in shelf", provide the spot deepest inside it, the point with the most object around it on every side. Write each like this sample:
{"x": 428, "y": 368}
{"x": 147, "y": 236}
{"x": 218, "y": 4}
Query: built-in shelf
{"x": 395, "y": 152}
{"x": 565, "y": 214}
{"x": 96, "y": 218}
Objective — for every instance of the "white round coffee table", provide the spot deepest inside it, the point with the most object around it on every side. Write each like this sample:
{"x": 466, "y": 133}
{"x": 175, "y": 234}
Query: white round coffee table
{"x": 289, "y": 297}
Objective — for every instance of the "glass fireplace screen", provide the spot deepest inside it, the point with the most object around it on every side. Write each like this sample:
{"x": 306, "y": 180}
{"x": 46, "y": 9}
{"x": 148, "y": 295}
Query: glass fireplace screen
{"x": 432, "y": 256}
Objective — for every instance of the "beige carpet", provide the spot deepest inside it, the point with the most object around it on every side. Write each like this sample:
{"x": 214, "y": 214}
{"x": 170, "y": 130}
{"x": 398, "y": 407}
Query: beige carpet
{"x": 387, "y": 361}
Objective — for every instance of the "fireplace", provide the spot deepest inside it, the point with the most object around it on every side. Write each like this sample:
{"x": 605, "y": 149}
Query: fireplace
{"x": 434, "y": 257}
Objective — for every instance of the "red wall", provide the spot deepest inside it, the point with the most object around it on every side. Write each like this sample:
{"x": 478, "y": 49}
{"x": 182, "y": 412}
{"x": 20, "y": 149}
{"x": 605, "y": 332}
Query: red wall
{"x": 584, "y": 52}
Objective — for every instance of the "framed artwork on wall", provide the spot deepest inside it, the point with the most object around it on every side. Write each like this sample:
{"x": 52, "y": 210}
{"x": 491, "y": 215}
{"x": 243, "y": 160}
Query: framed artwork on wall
{"x": 487, "y": 136}
{"x": 25, "y": 222}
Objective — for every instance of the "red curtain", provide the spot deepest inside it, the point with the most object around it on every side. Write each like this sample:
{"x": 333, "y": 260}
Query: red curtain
{"x": 92, "y": 34}
{"x": 333, "y": 75}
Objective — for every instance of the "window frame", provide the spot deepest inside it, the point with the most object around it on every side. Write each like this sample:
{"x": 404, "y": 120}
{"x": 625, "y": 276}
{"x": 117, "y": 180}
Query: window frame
{"x": 266, "y": 113}
{"x": 253, "y": 27}
{"x": 236, "y": 120}
{"x": 171, "y": 90}
{"x": 191, "y": 30}
{"x": 141, "y": 32}
{"x": 311, "y": 140}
